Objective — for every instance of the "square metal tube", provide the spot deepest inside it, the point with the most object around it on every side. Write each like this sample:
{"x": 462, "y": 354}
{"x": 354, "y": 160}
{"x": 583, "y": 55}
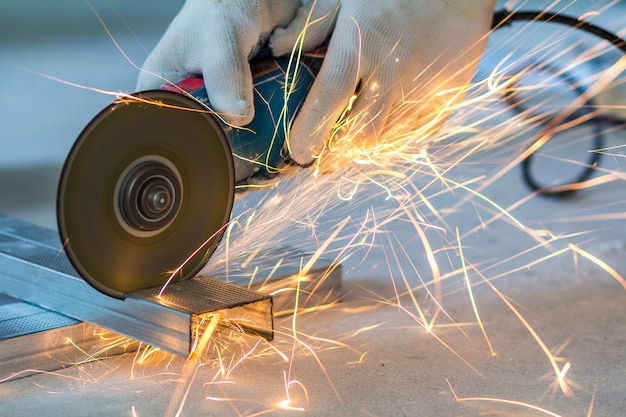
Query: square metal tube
{"x": 33, "y": 268}
{"x": 56, "y": 319}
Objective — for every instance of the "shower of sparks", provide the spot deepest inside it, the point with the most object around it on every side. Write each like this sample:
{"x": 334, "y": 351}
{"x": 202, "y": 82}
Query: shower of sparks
{"x": 406, "y": 176}
{"x": 404, "y": 196}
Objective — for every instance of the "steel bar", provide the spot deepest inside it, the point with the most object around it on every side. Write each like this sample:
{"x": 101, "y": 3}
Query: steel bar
{"x": 34, "y": 268}
{"x": 33, "y": 340}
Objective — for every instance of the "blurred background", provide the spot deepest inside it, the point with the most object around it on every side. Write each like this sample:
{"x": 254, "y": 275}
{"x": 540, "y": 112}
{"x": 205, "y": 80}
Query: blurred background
{"x": 48, "y": 51}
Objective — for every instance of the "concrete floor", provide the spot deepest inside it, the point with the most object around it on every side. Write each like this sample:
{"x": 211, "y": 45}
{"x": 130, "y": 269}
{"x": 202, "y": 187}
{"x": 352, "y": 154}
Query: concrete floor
{"x": 371, "y": 357}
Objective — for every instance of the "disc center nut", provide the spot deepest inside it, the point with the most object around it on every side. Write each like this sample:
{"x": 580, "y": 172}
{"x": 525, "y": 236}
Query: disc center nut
{"x": 148, "y": 196}
{"x": 156, "y": 198}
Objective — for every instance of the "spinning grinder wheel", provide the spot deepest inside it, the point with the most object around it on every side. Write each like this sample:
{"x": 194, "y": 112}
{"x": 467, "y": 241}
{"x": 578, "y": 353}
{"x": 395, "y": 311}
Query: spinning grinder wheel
{"x": 146, "y": 190}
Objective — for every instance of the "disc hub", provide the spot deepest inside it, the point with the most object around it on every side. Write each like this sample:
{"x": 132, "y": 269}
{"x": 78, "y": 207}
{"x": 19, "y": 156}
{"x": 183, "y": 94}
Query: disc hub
{"x": 149, "y": 195}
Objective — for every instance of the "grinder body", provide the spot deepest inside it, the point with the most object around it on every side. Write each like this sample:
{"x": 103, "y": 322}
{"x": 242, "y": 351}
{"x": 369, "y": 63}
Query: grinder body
{"x": 258, "y": 148}
{"x": 147, "y": 189}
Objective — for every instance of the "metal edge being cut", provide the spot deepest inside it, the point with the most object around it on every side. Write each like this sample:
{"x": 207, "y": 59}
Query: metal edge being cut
{"x": 34, "y": 269}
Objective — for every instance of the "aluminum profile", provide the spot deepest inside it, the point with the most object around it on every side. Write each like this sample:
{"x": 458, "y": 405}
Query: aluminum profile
{"x": 33, "y": 340}
{"x": 34, "y": 269}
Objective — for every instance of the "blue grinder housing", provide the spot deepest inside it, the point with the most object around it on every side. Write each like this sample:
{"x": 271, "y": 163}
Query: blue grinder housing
{"x": 259, "y": 148}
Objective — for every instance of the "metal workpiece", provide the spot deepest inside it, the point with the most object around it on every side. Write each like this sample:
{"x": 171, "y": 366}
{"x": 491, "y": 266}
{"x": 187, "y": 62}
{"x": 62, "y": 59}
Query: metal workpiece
{"x": 18, "y": 318}
{"x": 202, "y": 295}
{"x": 34, "y": 269}
{"x": 33, "y": 340}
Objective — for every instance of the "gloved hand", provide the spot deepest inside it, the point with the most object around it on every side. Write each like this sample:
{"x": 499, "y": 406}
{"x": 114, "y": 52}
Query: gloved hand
{"x": 215, "y": 39}
{"x": 410, "y": 59}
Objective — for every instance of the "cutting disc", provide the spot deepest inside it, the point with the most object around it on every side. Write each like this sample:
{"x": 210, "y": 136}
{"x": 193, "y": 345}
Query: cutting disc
{"x": 146, "y": 185}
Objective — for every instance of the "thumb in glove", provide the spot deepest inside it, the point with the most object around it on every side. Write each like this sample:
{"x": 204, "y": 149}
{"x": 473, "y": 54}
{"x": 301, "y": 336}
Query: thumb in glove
{"x": 216, "y": 39}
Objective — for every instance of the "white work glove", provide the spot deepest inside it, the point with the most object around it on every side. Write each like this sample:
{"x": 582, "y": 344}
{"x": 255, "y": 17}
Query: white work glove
{"x": 402, "y": 53}
{"x": 216, "y": 38}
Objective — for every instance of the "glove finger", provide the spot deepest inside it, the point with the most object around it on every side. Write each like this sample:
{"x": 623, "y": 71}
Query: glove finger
{"x": 227, "y": 77}
{"x": 371, "y": 109}
{"x": 330, "y": 94}
{"x": 317, "y": 18}
{"x": 161, "y": 67}
{"x": 381, "y": 116}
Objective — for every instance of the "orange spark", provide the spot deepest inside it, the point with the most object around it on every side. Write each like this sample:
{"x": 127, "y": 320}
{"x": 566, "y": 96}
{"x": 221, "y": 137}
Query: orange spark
{"x": 502, "y": 401}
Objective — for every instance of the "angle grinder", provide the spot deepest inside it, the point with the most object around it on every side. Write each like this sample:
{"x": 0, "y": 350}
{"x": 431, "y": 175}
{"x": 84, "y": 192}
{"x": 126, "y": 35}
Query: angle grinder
{"x": 148, "y": 187}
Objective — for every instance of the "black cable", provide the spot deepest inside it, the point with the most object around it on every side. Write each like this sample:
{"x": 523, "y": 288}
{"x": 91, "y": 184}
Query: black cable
{"x": 504, "y": 18}
{"x": 597, "y": 135}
